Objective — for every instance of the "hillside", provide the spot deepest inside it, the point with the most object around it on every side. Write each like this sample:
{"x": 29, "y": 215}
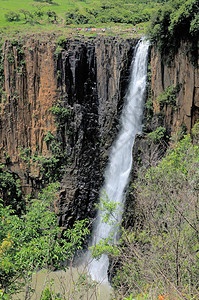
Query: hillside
{"x": 35, "y": 16}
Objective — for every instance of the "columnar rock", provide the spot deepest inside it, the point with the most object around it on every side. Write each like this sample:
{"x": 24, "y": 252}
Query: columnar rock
{"x": 181, "y": 69}
{"x": 88, "y": 77}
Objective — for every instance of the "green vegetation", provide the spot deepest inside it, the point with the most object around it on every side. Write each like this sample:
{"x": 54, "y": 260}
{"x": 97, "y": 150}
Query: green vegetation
{"x": 157, "y": 134}
{"x": 177, "y": 20}
{"x": 168, "y": 96}
{"x": 10, "y": 190}
{"x": 168, "y": 22}
{"x": 63, "y": 15}
{"x": 159, "y": 253}
{"x": 51, "y": 167}
{"x": 34, "y": 241}
{"x": 60, "y": 113}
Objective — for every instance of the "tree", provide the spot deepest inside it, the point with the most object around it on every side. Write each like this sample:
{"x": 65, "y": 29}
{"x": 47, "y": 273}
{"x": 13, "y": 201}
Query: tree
{"x": 34, "y": 241}
{"x": 158, "y": 254}
{"x": 161, "y": 249}
{"x": 10, "y": 190}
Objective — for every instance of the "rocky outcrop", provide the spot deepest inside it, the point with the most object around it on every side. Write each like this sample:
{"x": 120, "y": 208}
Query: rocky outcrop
{"x": 29, "y": 92}
{"x": 95, "y": 88}
{"x": 181, "y": 70}
{"x": 86, "y": 79}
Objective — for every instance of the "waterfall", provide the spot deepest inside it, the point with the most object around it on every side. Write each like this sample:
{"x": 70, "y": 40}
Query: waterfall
{"x": 120, "y": 162}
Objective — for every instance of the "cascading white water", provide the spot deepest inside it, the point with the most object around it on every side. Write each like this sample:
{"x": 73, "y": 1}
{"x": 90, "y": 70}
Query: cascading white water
{"x": 118, "y": 170}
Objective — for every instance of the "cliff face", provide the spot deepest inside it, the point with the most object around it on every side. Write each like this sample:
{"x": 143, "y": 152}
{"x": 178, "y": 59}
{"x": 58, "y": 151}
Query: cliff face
{"x": 30, "y": 89}
{"x": 180, "y": 70}
{"x": 83, "y": 82}
{"x": 87, "y": 78}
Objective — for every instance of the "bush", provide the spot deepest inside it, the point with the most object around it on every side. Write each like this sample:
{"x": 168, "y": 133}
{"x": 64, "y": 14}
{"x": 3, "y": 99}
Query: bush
{"x": 157, "y": 134}
{"x": 168, "y": 96}
{"x": 60, "y": 113}
{"x": 10, "y": 190}
{"x": 12, "y": 16}
{"x": 175, "y": 21}
{"x": 30, "y": 242}
{"x": 76, "y": 17}
{"x": 160, "y": 253}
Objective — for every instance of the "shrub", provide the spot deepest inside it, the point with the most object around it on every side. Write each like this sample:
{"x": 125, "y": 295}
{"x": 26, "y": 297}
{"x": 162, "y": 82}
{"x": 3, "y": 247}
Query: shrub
{"x": 61, "y": 41}
{"x": 12, "y": 16}
{"x": 160, "y": 252}
{"x": 175, "y": 21}
{"x": 60, "y": 113}
{"x": 157, "y": 134}
{"x": 168, "y": 96}
{"x": 35, "y": 241}
{"x": 10, "y": 190}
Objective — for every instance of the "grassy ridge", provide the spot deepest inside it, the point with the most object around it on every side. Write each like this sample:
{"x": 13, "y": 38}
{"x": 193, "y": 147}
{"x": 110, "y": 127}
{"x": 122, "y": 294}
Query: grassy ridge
{"x": 73, "y": 13}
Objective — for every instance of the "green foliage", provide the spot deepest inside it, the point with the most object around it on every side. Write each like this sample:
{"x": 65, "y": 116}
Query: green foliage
{"x": 105, "y": 246}
{"x": 195, "y": 130}
{"x": 60, "y": 113}
{"x": 159, "y": 254}
{"x": 51, "y": 167}
{"x": 161, "y": 250}
{"x": 149, "y": 109}
{"x": 108, "y": 12}
{"x": 47, "y": 1}
{"x": 48, "y": 294}
{"x": 107, "y": 208}
{"x": 49, "y": 137}
{"x": 168, "y": 96}
{"x": 157, "y": 134}
{"x": 31, "y": 242}
{"x": 51, "y": 14}
{"x": 92, "y": 13}
{"x": 175, "y": 21}
{"x": 61, "y": 41}
{"x": 10, "y": 189}
{"x": 12, "y": 16}
{"x": 3, "y": 296}
{"x": 76, "y": 17}
{"x": 182, "y": 19}
{"x": 10, "y": 57}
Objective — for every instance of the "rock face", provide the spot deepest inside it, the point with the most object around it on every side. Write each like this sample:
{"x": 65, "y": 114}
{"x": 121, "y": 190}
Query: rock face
{"x": 30, "y": 89}
{"x": 85, "y": 81}
{"x": 87, "y": 78}
{"x": 180, "y": 70}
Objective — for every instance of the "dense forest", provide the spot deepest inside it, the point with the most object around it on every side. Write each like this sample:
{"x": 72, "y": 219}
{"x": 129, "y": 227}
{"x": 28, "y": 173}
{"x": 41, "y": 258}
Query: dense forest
{"x": 158, "y": 254}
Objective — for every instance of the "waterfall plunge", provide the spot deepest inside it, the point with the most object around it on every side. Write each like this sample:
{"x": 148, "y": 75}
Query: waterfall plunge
{"x": 120, "y": 162}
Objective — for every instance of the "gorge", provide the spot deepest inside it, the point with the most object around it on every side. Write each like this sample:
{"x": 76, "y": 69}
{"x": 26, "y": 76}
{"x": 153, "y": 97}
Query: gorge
{"x": 83, "y": 83}
{"x": 120, "y": 162}
{"x": 61, "y": 102}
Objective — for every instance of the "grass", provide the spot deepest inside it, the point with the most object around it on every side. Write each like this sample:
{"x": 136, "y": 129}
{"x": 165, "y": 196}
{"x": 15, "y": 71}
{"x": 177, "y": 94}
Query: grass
{"x": 60, "y": 7}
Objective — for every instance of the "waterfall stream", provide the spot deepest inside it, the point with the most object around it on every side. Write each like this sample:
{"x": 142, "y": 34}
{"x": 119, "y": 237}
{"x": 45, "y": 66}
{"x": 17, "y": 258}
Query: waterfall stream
{"x": 120, "y": 161}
